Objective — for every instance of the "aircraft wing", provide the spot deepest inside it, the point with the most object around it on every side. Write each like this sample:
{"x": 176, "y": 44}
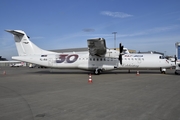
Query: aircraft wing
{"x": 97, "y": 46}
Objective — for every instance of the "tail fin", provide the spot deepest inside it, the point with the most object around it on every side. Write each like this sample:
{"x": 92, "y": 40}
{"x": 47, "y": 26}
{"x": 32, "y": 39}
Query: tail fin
{"x": 24, "y": 45}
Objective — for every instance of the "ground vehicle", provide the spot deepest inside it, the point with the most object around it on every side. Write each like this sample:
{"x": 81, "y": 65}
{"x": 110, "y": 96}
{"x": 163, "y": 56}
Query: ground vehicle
{"x": 32, "y": 65}
{"x": 16, "y": 65}
{"x": 177, "y": 71}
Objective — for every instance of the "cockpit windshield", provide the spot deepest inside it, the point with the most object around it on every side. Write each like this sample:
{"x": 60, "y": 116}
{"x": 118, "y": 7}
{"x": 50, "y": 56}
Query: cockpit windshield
{"x": 162, "y": 57}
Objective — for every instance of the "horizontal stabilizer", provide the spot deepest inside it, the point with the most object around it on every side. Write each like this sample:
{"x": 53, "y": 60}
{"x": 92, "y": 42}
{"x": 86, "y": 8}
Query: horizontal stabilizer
{"x": 16, "y": 32}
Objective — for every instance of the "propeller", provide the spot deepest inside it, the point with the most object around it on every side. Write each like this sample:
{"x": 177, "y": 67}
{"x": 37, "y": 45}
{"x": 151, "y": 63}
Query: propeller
{"x": 175, "y": 59}
{"x": 120, "y": 53}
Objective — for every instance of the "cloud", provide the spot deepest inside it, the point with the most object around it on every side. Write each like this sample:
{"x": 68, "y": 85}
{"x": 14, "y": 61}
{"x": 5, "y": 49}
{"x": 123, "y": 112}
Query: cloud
{"x": 151, "y": 31}
{"x": 161, "y": 29}
{"x": 116, "y": 14}
{"x": 88, "y": 30}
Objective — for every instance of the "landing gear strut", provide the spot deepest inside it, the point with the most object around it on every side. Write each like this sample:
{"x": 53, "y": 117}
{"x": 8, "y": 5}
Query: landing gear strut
{"x": 97, "y": 71}
{"x": 163, "y": 70}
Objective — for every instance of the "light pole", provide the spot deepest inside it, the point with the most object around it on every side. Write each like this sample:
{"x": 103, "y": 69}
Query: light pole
{"x": 114, "y": 40}
{"x": 164, "y": 53}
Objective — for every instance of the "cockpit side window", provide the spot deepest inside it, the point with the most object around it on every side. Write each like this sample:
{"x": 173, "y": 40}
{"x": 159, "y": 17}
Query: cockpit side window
{"x": 161, "y": 57}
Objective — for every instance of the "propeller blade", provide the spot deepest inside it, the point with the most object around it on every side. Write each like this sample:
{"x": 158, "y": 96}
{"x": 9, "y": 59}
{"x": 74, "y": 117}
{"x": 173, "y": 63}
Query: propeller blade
{"x": 120, "y": 59}
{"x": 120, "y": 53}
{"x": 175, "y": 59}
{"x": 121, "y": 48}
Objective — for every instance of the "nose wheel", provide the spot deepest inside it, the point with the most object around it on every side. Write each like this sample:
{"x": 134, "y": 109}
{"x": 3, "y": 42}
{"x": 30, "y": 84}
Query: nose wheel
{"x": 163, "y": 70}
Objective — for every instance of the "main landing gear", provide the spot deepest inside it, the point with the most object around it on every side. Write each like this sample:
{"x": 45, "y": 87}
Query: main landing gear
{"x": 97, "y": 71}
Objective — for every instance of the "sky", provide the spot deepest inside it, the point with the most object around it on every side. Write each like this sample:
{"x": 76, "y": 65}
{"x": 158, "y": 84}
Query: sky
{"x": 141, "y": 25}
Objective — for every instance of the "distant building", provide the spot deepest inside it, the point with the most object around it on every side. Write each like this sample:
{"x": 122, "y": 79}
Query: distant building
{"x": 151, "y": 52}
{"x": 129, "y": 50}
{"x": 2, "y": 59}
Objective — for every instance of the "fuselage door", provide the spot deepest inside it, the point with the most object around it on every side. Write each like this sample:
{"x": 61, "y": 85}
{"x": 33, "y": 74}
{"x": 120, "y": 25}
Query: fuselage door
{"x": 50, "y": 61}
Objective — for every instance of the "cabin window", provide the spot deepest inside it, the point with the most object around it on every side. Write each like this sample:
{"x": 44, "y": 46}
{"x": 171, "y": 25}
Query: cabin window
{"x": 43, "y": 55}
{"x": 93, "y": 59}
{"x": 142, "y": 58}
{"x": 135, "y": 59}
{"x": 104, "y": 59}
{"x": 100, "y": 59}
{"x": 90, "y": 59}
{"x": 128, "y": 58}
{"x": 132, "y": 59}
{"x": 97, "y": 59}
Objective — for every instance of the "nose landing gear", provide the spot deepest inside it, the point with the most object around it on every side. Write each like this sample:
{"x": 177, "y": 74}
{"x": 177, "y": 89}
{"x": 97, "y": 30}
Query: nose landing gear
{"x": 163, "y": 70}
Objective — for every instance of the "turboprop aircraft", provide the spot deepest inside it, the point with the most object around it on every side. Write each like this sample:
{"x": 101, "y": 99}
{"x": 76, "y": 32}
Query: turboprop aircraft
{"x": 98, "y": 57}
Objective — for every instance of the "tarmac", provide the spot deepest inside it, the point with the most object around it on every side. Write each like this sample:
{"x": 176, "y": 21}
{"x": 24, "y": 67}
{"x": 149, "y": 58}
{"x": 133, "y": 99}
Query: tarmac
{"x": 49, "y": 94}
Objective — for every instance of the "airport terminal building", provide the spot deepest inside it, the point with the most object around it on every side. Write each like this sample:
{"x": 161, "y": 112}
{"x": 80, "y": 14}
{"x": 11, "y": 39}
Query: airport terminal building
{"x": 2, "y": 59}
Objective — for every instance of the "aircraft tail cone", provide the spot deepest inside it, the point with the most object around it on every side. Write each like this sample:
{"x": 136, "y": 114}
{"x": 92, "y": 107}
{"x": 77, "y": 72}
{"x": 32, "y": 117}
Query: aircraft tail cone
{"x": 90, "y": 79}
{"x": 137, "y": 73}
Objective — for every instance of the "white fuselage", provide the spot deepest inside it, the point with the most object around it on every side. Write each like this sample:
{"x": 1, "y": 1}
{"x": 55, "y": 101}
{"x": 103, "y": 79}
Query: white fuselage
{"x": 82, "y": 60}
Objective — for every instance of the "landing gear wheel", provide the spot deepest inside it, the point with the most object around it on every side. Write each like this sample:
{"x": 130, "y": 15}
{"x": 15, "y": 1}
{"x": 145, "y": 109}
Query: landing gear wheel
{"x": 163, "y": 72}
{"x": 97, "y": 71}
{"x": 176, "y": 73}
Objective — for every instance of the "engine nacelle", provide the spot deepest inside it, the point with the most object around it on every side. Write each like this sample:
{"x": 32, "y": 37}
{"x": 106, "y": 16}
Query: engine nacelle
{"x": 97, "y": 46}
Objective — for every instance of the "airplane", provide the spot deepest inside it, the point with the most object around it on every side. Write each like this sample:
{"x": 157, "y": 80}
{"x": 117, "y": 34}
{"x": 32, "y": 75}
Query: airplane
{"x": 11, "y": 61}
{"x": 98, "y": 58}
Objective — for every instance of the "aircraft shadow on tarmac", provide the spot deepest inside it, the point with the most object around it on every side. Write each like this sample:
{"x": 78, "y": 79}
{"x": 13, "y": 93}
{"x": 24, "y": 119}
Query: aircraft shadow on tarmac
{"x": 61, "y": 72}
{"x": 47, "y": 71}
